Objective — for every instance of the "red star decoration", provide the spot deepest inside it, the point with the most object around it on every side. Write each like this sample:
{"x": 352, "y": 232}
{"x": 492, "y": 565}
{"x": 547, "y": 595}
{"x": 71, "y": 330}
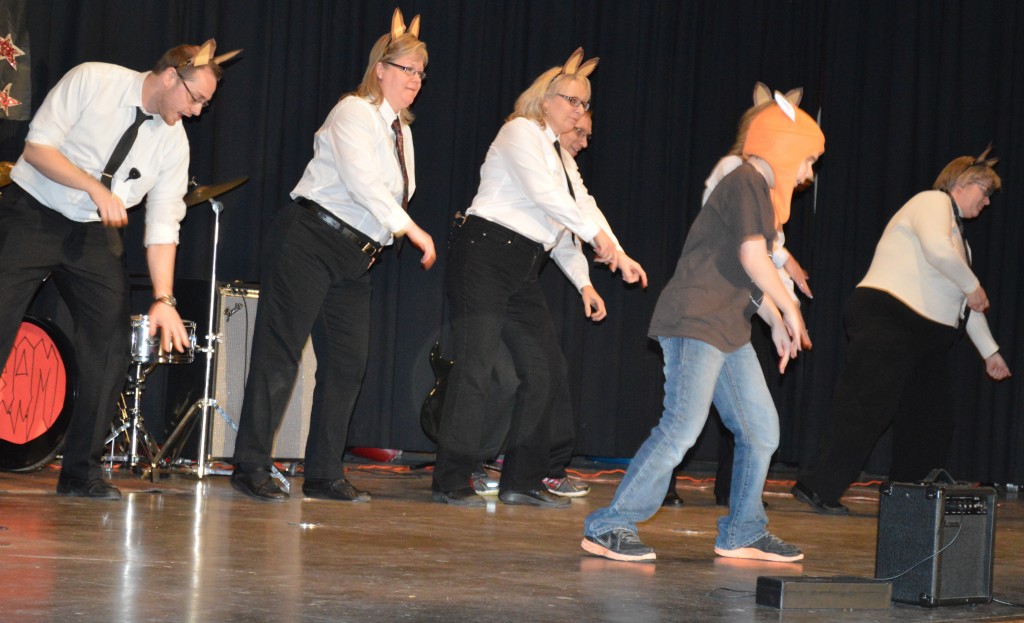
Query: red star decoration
{"x": 10, "y": 51}
{"x": 6, "y": 100}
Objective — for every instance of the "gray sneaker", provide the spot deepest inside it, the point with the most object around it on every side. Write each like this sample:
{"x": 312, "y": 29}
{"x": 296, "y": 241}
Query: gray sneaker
{"x": 619, "y": 544}
{"x": 769, "y": 547}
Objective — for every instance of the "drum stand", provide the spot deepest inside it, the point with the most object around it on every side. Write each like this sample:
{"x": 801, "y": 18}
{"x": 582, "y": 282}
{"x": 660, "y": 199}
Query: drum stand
{"x": 204, "y": 404}
{"x": 131, "y": 420}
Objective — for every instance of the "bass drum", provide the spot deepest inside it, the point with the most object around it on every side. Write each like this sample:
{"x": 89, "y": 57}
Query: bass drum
{"x": 37, "y": 394}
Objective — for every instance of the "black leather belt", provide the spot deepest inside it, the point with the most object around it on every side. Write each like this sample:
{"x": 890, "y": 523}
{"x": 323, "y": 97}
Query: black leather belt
{"x": 366, "y": 244}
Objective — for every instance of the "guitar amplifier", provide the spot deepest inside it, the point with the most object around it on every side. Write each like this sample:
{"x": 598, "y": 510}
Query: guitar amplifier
{"x": 236, "y": 320}
{"x": 935, "y": 542}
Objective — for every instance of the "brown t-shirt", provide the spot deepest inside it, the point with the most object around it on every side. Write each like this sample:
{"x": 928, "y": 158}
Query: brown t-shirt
{"x": 710, "y": 297}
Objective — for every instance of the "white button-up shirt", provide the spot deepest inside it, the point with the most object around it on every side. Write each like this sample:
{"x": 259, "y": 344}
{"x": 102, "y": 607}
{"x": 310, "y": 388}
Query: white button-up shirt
{"x": 83, "y": 117}
{"x": 523, "y": 187}
{"x": 354, "y": 172}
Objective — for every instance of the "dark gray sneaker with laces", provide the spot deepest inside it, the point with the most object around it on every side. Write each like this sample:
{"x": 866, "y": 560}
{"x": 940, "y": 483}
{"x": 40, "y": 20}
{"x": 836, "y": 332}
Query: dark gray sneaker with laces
{"x": 619, "y": 544}
{"x": 769, "y": 547}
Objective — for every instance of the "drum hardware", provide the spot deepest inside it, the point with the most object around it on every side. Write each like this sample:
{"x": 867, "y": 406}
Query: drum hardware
{"x": 131, "y": 423}
{"x": 146, "y": 353}
{"x": 202, "y": 406}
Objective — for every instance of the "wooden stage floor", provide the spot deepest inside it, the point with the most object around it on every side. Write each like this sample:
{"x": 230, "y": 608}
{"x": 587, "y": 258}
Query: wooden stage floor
{"x": 184, "y": 550}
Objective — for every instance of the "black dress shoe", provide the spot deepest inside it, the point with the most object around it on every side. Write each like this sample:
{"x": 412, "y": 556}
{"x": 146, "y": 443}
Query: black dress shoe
{"x": 534, "y": 497}
{"x": 672, "y": 499}
{"x": 459, "y": 497}
{"x": 327, "y": 489}
{"x": 257, "y": 484}
{"x": 805, "y": 495}
{"x": 95, "y": 488}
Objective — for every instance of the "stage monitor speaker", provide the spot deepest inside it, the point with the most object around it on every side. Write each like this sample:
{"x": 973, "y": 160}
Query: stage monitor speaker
{"x": 935, "y": 542}
{"x": 236, "y": 319}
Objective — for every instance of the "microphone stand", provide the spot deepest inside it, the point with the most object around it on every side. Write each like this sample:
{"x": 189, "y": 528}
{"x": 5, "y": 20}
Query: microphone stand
{"x": 204, "y": 404}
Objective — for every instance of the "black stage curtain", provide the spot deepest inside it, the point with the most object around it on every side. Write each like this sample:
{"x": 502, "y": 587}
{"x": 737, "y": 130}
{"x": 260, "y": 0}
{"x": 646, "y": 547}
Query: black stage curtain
{"x": 901, "y": 88}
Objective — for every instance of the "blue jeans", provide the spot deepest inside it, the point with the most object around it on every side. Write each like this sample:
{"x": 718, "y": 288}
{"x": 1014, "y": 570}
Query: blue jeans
{"x": 697, "y": 374}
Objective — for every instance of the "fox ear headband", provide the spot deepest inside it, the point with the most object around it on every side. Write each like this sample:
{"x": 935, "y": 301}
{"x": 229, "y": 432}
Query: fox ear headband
{"x": 981, "y": 161}
{"x": 787, "y": 102}
{"x": 576, "y": 67}
{"x": 205, "y": 55}
{"x": 398, "y": 25}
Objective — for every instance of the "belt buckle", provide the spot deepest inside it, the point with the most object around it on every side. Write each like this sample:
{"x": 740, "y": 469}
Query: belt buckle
{"x": 369, "y": 249}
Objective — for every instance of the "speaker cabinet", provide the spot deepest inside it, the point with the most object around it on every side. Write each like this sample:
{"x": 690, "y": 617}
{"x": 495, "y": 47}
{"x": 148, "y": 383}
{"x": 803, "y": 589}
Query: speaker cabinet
{"x": 236, "y": 319}
{"x": 935, "y": 542}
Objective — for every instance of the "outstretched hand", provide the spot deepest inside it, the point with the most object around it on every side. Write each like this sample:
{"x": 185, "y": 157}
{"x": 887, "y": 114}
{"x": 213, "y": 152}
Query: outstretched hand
{"x": 593, "y": 304}
{"x": 632, "y": 271}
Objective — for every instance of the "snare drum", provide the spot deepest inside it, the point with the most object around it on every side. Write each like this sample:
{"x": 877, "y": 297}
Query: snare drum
{"x": 146, "y": 349}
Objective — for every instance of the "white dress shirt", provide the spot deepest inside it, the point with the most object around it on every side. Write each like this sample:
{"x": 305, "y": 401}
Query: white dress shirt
{"x": 354, "y": 172}
{"x": 83, "y": 117}
{"x": 523, "y": 187}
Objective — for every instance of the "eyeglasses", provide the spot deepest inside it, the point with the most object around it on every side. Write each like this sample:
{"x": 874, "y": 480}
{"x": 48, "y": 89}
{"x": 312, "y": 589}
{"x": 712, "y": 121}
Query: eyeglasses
{"x": 203, "y": 103}
{"x": 580, "y": 132}
{"x": 410, "y": 71}
{"x": 575, "y": 101}
{"x": 986, "y": 190}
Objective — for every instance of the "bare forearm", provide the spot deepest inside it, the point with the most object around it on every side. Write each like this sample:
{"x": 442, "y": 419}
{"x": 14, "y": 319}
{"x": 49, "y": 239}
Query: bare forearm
{"x": 55, "y": 166}
{"x": 160, "y": 258}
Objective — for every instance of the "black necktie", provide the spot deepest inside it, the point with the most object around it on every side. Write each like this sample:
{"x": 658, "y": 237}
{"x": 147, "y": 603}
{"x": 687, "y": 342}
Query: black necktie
{"x": 396, "y": 125}
{"x": 558, "y": 150}
{"x": 962, "y": 326}
{"x": 124, "y": 145}
{"x": 960, "y": 226}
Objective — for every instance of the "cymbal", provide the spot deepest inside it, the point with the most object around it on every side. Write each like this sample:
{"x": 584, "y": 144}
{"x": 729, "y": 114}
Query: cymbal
{"x": 199, "y": 194}
{"x": 5, "y": 173}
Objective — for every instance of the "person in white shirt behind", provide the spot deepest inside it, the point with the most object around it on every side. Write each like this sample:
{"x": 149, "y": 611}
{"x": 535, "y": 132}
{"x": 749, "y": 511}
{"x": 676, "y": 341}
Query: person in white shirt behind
{"x": 902, "y": 320}
{"x": 349, "y": 204}
{"x": 64, "y": 214}
{"x": 529, "y": 205}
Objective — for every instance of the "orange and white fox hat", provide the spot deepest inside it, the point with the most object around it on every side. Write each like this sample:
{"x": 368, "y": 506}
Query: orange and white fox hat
{"x": 784, "y": 136}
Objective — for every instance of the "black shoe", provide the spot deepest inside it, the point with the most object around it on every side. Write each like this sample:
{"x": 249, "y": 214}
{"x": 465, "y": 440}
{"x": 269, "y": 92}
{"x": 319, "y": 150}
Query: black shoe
{"x": 534, "y": 497}
{"x": 327, "y": 489}
{"x": 257, "y": 484}
{"x": 672, "y": 499}
{"x": 805, "y": 495}
{"x": 459, "y": 497}
{"x": 95, "y": 488}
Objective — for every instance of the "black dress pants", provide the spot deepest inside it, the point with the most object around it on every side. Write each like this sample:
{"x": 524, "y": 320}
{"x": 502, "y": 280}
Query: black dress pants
{"x": 496, "y": 298}
{"x": 315, "y": 283}
{"x": 501, "y": 402}
{"x": 897, "y": 373}
{"x": 86, "y": 262}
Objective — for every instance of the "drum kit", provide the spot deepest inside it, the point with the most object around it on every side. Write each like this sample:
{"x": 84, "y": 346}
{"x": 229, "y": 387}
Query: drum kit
{"x": 41, "y": 410}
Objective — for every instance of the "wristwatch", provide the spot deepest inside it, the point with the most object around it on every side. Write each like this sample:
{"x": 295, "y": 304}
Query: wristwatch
{"x": 167, "y": 299}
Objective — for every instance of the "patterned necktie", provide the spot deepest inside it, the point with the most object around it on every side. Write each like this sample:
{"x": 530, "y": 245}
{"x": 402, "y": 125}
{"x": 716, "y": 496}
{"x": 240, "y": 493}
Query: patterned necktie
{"x": 396, "y": 125}
{"x": 124, "y": 145}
